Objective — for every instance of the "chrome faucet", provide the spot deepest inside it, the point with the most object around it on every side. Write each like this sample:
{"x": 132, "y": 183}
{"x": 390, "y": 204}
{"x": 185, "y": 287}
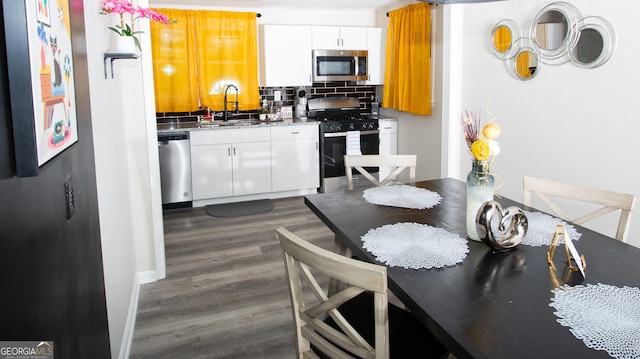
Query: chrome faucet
{"x": 225, "y": 101}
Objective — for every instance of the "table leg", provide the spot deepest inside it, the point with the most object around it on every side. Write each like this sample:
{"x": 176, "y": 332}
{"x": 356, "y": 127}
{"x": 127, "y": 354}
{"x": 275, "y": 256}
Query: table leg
{"x": 340, "y": 248}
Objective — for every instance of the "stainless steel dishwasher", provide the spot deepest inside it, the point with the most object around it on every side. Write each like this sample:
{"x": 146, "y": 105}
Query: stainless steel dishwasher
{"x": 175, "y": 169}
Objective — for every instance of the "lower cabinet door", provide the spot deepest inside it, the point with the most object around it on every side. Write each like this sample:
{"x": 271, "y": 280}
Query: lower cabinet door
{"x": 295, "y": 164}
{"x": 211, "y": 171}
{"x": 251, "y": 168}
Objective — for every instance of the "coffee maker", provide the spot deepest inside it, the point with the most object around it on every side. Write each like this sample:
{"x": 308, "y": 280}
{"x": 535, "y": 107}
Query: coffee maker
{"x": 301, "y": 103}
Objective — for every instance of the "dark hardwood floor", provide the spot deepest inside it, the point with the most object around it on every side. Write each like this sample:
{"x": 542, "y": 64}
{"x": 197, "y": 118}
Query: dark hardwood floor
{"x": 226, "y": 294}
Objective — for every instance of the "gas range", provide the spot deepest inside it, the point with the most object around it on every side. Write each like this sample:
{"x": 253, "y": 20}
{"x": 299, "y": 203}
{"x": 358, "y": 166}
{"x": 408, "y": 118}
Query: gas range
{"x": 340, "y": 114}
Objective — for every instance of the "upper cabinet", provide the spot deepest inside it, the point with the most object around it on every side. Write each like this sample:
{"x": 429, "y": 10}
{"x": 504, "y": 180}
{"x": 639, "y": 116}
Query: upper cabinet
{"x": 375, "y": 59}
{"x": 339, "y": 38}
{"x": 285, "y": 51}
{"x": 285, "y": 55}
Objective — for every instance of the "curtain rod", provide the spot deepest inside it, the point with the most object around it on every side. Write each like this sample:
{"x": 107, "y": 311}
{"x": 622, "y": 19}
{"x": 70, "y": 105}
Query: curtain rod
{"x": 429, "y": 4}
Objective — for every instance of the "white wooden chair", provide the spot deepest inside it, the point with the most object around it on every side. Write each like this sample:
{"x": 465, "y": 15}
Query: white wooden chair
{"x": 609, "y": 201}
{"x": 353, "y": 322}
{"x": 398, "y": 162}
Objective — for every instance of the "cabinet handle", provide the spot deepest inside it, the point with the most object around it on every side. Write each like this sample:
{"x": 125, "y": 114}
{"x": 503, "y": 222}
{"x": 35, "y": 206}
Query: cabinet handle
{"x": 234, "y": 151}
{"x": 316, "y": 145}
{"x": 338, "y": 42}
{"x": 295, "y": 132}
{"x": 228, "y": 151}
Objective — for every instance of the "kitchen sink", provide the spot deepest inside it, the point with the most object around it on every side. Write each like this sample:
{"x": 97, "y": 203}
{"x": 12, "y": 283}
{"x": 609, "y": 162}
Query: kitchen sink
{"x": 218, "y": 123}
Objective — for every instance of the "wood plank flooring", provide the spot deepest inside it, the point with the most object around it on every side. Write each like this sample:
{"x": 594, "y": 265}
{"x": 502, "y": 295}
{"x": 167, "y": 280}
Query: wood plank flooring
{"x": 225, "y": 295}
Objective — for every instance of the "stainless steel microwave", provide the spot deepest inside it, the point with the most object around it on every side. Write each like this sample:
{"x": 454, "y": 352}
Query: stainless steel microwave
{"x": 339, "y": 65}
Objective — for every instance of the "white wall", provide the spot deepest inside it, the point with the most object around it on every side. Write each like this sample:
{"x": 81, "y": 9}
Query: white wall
{"x": 569, "y": 124}
{"x": 123, "y": 178}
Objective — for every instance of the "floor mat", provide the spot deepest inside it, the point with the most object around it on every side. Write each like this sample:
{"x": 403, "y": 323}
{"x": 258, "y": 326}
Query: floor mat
{"x": 239, "y": 209}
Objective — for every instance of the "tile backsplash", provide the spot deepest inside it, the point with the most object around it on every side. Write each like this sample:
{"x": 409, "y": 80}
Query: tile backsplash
{"x": 287, "y": 94}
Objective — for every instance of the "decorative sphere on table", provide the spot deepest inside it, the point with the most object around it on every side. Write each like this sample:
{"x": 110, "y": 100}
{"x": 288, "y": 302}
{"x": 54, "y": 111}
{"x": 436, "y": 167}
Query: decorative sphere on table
{"x": 512, "y": 225}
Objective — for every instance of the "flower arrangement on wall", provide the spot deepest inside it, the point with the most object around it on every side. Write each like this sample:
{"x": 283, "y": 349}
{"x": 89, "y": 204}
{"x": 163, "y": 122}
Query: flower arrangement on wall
{"x": 129, "y": 14}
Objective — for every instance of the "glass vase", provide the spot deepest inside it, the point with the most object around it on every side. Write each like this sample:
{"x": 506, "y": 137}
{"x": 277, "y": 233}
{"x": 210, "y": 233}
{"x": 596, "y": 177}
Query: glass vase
{"x": 480, "y": 187}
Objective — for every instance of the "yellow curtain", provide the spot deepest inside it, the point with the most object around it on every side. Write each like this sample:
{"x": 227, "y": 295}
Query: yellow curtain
{"x": 407, "y": 75}
{"x": 227, "y": 55}
{"x": 174, "y": 70}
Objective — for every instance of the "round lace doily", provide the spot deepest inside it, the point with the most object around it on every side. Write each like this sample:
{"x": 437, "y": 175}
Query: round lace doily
{"x": 402, "y": 196}
{"x": 414, "y": 245}
{"x": 604, "y": 317}
{"x": 542, "y": 227}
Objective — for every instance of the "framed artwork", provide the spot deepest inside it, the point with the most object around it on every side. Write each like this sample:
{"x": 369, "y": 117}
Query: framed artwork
{"x": 41, "y": 81}
{"x": 43, "y": 11}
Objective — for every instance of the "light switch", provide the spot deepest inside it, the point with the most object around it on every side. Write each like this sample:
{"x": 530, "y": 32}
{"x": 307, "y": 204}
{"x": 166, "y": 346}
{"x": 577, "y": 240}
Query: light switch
{"x": 69, "y": 196}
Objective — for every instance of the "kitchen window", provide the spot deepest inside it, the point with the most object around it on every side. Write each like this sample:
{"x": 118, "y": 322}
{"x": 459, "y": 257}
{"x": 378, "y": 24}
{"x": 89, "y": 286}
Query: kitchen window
{"x": 195, "y": 58}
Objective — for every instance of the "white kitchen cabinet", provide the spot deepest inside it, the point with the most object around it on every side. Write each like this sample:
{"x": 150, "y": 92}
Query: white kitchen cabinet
{"x": 375, "y": 57}
{"x": 285, "y": 55}
{"x": 230, "y": 162}
{"x": 295, "y": 161}
{"x": 339, "y": 38}
{"x": 388, "y": 141}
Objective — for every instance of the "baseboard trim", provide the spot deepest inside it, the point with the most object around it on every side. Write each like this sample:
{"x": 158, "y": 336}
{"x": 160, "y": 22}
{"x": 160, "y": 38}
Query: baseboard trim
{"x": 127, "y": 337}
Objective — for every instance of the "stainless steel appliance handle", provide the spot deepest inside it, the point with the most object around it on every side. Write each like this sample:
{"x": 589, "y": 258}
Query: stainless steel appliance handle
{"x": 344, "y": 134}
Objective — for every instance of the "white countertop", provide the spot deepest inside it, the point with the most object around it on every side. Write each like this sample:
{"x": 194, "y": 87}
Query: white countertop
{"x": 194, "y": 126}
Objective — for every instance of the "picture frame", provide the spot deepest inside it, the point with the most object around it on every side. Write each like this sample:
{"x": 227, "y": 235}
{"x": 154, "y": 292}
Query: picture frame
{"x": 43, "y": 10}
{"x": 41, "y": 82}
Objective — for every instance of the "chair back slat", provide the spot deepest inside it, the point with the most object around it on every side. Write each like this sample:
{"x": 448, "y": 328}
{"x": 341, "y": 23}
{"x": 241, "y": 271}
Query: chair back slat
{"x": 398, "y": 162}
{"x": 304, "y": 262}
{"x": 607, "y": 200}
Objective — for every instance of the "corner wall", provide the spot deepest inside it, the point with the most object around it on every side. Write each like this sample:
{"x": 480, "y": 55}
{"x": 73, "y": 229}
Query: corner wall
{"x": 569, "y": 124}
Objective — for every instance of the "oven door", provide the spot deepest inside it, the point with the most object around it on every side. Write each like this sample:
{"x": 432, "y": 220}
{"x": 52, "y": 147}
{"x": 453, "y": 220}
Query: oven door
{"x": 334, "y": 146}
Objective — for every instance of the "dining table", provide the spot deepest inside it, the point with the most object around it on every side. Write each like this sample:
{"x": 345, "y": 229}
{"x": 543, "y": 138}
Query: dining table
{"x": 493, "y": 304}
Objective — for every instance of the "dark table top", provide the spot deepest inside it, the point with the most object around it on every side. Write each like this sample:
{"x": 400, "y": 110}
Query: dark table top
{"x": 492, "y": 305}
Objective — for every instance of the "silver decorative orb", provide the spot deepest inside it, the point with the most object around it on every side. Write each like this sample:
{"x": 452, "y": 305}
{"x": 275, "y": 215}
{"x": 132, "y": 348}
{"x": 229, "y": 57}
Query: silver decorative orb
{"x": 511, "y": 225}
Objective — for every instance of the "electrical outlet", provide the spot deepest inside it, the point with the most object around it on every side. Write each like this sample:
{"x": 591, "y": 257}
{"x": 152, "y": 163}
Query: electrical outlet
{"x": 70, "y": 197}
{"x": 277, "y": 96}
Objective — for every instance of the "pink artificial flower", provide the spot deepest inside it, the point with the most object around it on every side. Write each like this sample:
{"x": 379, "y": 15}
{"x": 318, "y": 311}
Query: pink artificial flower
{"x": 116, "y": 6}
{"x": 156, "y": 16}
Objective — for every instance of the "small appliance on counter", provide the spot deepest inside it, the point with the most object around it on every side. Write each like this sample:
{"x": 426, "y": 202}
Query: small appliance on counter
{"x": 375, "y": 107}
{"x": 301, "y": 103}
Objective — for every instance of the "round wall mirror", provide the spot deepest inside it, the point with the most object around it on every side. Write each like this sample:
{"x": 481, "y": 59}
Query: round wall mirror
{"x": 503, "y": 39}
{"x": 594, "y": 44}
{"x": 525, "y": 64}
{"x": 553, "y": 30}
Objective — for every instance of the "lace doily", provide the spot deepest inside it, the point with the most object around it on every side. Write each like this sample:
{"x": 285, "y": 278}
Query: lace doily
{"x": 414, "y": 245}
{"x": 542, "y": 227}
{"x": 402, "y": 196}
{"x": 604, "y": 317}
